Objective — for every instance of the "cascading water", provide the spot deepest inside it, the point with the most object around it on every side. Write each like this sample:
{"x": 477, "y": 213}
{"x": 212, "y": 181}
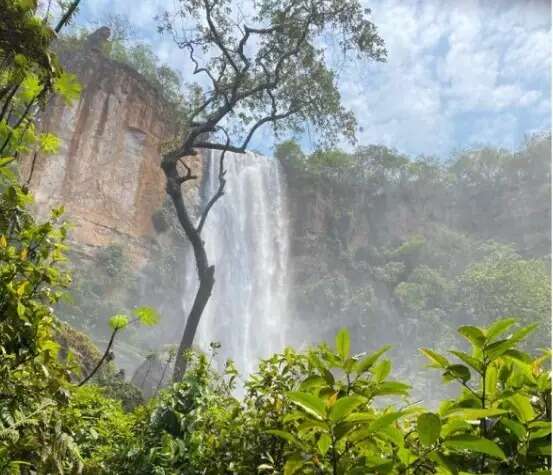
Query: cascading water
{"x": 246, "y": 238}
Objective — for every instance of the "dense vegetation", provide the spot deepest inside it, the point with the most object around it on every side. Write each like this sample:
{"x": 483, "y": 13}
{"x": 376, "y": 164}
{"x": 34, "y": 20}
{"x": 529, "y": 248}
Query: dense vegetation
{"x": 320, "y": 411}
{"x": 408, "y": 248}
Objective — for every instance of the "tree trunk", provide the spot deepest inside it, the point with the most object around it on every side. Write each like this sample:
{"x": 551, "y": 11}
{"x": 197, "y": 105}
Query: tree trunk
{"x": 200, "y": 301}
{"x": 204, "y": 270}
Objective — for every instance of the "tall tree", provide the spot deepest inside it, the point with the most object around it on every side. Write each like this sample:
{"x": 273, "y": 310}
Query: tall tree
{"x": 265, "y": 68}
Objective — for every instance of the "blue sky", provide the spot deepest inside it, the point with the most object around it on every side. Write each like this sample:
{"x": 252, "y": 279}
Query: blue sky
{"x": 459, "y": 73}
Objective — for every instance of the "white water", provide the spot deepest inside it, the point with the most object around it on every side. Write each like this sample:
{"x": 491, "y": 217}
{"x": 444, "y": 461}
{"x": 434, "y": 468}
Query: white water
{"x": 246, "y": 238}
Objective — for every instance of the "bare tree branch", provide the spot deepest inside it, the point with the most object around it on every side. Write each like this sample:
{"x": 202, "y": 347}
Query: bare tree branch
{"x": 221, "y": 188}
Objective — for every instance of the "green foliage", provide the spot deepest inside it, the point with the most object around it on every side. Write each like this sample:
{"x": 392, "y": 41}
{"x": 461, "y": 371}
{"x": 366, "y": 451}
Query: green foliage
{"x": 504, "y": 283}
{"x": 503, "y": 412}
{"x": 34, "y": 383}
{"x": 318, "y": 413}
{"x": 118, "y": 322}
{"x": 147, "y": 316}
{"x": 97, "y": 425}
{"x": 330, "y": 159}
{"x": 335, "y": 427}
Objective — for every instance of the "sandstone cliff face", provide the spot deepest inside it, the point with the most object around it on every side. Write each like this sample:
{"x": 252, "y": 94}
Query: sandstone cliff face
{"x": 107, "y": 172}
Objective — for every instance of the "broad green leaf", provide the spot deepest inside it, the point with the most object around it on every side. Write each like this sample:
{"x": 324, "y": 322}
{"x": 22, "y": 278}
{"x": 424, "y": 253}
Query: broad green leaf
{"x": 495, "y": 350}
{"x": 5, "y": 161}
{"x": 457, "y": 371}
{"x": 312, "y": 382}
{"x": 293, "y": 416}
{"x": 343, "y": 343}
{"x": 522, "y": 407}
{"x": 491, "y": 381}
{"x": 475, "y": 444}
{"x": 394, "y": 434}
{"x": 516, "y": 428}
{"x": 147, "y": 316}
{"x": 518, "y": 355}
{"x": 342, "y": 429}
{"x": 327, "y": 375}
{"x": 293, "y": 464}
{"x": 429, "y": 426}
{"x": 21, "y": 310}
{"x": 309, "y": 403}
{"x": 438, "y": 361}
{"x": 366, "y": 363}
{"x": 391, "y": 387}
{"x": 284, "y": 435}
{"x": 539, "y": 433}
{"x": 471, "y": 414}
{"x": 118, "y": 322}
{"x": 521, "y": 368}
{"x": 384, "y": 420}
{"x": 311, "y": 424}
{"x": 498, "y": 327}
{"x": 360, "y": 417}
{"x": 474, "y": 335}
{"x": 445, "y": 465}
{"x": 470, "y": 360}
{"x": 498, "y": 348}
{"x": 345, "y": 406}
{"x": 454, "y": 425}
{"x": 324, "y": 443}
{"x": 381, "y": 370}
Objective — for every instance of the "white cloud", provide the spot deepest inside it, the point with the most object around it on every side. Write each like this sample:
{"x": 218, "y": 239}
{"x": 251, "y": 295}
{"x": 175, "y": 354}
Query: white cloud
{"x": 455, "y": 69}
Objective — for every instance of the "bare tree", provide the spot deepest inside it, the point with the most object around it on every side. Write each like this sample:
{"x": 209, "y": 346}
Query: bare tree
{"x": 265, "y": 68}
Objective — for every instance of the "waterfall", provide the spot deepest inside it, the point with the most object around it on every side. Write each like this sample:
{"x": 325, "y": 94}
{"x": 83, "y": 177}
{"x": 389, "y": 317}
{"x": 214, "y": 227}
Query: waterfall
{"x": 246, "y": 238}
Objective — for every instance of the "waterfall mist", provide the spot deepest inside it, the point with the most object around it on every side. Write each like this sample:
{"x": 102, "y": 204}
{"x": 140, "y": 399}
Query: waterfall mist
{"x": 246, "y": 238}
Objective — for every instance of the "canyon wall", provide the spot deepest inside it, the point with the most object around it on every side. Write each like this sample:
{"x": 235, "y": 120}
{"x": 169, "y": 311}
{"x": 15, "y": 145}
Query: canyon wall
{"x": 107, "y": 171}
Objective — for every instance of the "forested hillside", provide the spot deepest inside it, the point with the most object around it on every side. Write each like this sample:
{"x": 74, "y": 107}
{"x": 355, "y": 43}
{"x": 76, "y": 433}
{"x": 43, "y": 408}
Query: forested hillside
{"x": 404, "y": 250}
{"x": 122, "y": 220}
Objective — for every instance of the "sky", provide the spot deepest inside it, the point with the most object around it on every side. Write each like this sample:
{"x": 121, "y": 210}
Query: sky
{"x": 459, "y": 74}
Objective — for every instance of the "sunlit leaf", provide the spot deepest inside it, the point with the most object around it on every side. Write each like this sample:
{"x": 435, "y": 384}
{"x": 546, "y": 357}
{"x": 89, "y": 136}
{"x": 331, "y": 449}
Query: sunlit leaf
{"x": 366, "y": 363}
{"x": 471, "y": 414}
{"x": 498, "y": 327}
{"x": 381, "y": 370}
{"x": 309, "y": 403}
{"x": 147, "y": 316}
{"x": 49, "y": 143}
{"x": 68, "y": 87}
{"x": 345, "y": 406}
{"x": 474, "y": 335}
{"x": 437, "y": 360}
{"x": 324, "y": 443}
{"x": 429, "y": 426}
{"x": 475, "y": 444}
{"x": 470, "y": 360}
{"x": 118, "y": 322}
{"x": 384, "y": 420}
{"x": 343, "y": 343}
{"x": 522, "y": 407}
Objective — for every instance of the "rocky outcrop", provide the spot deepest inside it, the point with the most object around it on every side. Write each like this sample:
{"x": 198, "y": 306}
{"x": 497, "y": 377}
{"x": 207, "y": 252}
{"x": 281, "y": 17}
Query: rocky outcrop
{"x": 107, "y": 172}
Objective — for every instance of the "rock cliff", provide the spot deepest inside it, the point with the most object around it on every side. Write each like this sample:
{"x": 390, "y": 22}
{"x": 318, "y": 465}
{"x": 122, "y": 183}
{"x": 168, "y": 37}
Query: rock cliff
{"x": 107, "y": 171}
